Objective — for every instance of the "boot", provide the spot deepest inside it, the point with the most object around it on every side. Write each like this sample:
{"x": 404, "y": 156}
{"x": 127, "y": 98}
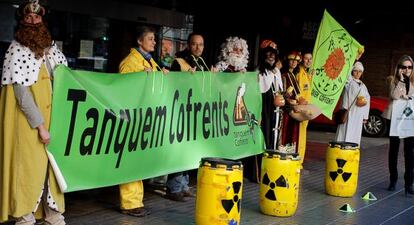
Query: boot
{"x": 391, "y": 187}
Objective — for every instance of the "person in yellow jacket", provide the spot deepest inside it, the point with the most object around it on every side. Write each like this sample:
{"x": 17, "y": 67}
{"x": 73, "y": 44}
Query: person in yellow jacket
{"x": 139, "y": 59}
{"x": 304, "y": 78}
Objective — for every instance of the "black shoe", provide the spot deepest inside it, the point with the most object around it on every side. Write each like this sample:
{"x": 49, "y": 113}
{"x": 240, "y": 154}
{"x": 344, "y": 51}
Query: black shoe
{"x": 188, "y": 193}
{"x": 137, "y": 212}
{"x": 391, "y": 187}
{"x": 409, "y": 190}
{"x": 178, "y": 197}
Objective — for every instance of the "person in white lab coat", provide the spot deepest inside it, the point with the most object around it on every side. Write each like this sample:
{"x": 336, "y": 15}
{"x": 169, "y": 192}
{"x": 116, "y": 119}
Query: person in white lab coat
{"x": 356, "y": 99}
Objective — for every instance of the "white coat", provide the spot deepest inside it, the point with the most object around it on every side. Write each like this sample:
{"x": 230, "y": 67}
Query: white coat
{"x": 351, "y": 130}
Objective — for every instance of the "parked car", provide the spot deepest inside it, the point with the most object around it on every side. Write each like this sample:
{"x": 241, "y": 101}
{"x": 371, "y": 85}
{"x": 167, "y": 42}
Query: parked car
{"x": 375, "y": 127}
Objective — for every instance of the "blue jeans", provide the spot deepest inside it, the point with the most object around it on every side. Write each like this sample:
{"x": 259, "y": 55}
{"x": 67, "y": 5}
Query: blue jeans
{"x": 177, "y": 182}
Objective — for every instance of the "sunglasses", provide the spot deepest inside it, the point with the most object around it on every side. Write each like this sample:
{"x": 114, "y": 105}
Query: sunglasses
{"x": 405, "y": 67}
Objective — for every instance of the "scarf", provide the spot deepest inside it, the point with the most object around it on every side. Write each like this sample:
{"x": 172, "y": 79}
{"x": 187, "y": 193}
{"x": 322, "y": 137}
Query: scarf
{"x": 147, "y": 56}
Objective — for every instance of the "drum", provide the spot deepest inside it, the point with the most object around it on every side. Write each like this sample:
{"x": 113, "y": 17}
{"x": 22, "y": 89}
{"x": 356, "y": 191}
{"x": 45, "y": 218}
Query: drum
{"x": 342, "y": 164}
{"x": 219, "y": 192}
{"x": 279, "y": 186}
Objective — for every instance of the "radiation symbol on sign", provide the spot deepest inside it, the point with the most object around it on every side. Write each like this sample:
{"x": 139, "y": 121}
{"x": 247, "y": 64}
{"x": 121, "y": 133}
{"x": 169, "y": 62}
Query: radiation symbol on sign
{"x": 228, "y": 204}
{"x": 340, "y": 171}
{"x": 280, "y": 182}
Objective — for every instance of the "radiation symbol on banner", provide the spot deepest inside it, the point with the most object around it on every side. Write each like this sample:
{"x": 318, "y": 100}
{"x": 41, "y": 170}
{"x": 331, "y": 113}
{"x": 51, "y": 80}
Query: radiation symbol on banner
{"x": 345, "y": 175}
{"x": 228, "y": 204}
{"x": 280, "y": 182}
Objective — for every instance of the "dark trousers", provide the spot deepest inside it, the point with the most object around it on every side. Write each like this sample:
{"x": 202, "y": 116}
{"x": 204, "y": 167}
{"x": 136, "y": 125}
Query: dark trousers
{"x": 408, "y": 158}
{"x": 251, "y": 168}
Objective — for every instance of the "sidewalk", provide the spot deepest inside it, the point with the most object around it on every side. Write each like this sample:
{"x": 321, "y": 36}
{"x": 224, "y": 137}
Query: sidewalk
{"x": 100, "y": 206}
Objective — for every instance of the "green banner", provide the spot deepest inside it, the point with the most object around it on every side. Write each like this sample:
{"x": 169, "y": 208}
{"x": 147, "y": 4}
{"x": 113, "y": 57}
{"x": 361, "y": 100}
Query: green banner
{"x": 333, "y": 57}
{"x": 108, "y": 129}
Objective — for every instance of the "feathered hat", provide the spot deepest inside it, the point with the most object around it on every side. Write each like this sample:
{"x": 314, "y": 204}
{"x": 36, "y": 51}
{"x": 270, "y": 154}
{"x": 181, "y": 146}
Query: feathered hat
{"x": 294, "y": 55}
{"x": 269, "y": 45}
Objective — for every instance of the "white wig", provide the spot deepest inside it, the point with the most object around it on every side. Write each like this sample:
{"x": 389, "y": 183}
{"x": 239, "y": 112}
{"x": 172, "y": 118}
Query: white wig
{"x": 231, "y": 43}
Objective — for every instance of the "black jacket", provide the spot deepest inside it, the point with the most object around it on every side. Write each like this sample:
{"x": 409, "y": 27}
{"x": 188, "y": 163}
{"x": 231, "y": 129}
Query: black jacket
{"x": 191, "y": 60}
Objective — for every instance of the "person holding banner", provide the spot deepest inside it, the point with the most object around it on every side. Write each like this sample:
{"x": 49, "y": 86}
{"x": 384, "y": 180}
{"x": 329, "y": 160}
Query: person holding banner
{"x": 27, "y": 180}
{"x": 138, "y": 60}
{"x": 190, "y": 60}
{"x": 356, "y": 99}
{"x": 401, "y": 86}
{"x": 234, "y": 55}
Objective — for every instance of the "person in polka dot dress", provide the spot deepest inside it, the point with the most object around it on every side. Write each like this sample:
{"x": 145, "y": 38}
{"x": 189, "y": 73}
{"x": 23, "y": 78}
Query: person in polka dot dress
{"x": 27, "y": 182}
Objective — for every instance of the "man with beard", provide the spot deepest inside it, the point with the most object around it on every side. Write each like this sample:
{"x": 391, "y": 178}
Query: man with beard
{"x": 271, "y": 86}
{"x": 234, "y": 55}
{"x": 234, "y": 58}
{"x": 27, "y": 182}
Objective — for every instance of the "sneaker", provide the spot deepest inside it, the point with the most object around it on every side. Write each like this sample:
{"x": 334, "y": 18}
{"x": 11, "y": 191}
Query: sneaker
{"x": 188, "y": 193}
{"x": 157, "y": 186}
{"x": 137, "y": 212}
{"x": 178, "y": 197}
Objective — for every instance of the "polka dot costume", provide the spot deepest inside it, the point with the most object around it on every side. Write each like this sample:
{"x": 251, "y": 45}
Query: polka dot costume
{"x": 48, "y": 198}
{"x": 21, "y": 67}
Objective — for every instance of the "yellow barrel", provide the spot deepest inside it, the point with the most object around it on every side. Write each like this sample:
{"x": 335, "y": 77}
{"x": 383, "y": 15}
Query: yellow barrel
{"x": 341, "y": 174}
{"x": 279, "y": 184}
{"x": 219, "y": 192}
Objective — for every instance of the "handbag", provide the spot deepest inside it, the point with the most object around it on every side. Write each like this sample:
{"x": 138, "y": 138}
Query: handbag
{"x": 341, "y": 116}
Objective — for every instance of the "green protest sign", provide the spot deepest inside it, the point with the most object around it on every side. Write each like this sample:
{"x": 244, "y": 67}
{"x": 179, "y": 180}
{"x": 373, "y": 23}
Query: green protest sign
{"x": 108, "y": 129}
{"x": 334, "y": 54}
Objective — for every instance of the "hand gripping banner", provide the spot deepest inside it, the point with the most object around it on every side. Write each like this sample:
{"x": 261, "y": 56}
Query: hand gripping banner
{"x": 109, "y": 129}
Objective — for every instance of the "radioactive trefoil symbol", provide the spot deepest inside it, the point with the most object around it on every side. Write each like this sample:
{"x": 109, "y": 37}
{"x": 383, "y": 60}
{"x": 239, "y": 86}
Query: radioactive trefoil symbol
{"x": 345, "y": 175}
{"x": 407, "y": 111}
{"x": 228, "y": 204}
{"x": 280, "y": 182}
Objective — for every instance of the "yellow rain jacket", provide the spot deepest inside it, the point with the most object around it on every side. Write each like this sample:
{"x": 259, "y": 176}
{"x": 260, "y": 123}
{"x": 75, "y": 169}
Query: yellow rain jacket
{"x": 131, "y": 194}
{"x": 304, "y": 80}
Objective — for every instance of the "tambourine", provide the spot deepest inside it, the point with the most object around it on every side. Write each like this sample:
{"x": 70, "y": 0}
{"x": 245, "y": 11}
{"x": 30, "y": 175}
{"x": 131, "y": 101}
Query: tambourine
{"x": 304, "y": 112}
